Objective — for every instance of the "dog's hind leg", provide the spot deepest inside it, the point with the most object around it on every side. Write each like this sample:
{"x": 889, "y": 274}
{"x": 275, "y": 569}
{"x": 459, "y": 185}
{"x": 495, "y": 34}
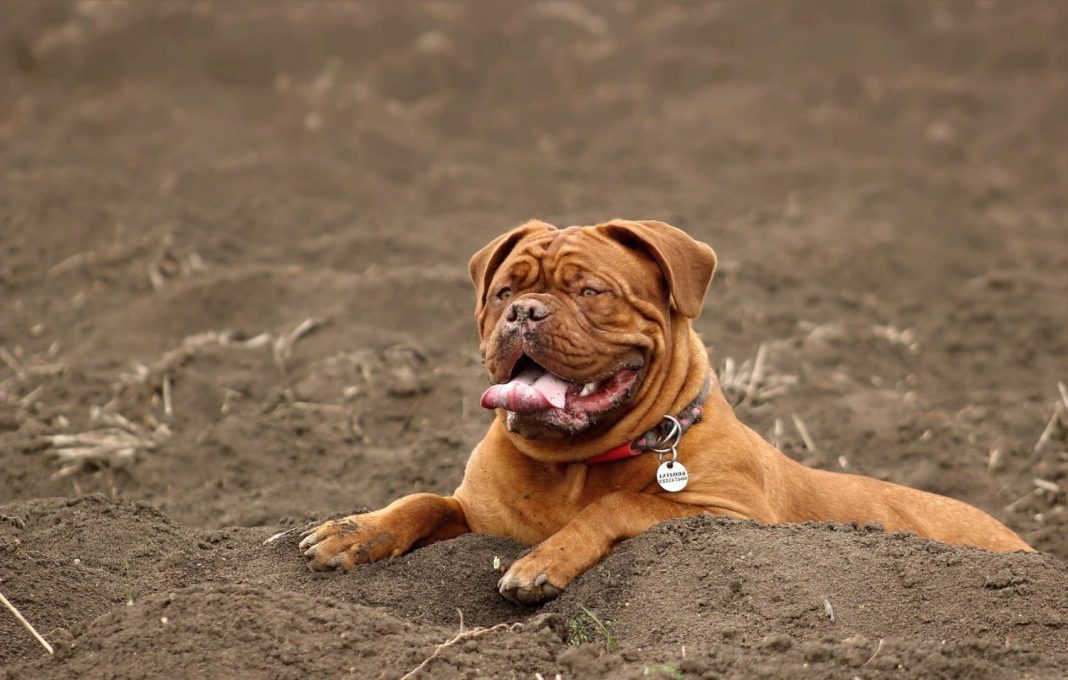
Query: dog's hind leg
{"x": 410, "y": 522}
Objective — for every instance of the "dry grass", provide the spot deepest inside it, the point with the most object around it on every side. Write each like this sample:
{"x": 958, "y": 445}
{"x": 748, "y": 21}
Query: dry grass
{"x": 113, "y": 440}
{"x": 459, "y": 637}
{"x": 802, "y": 430}
{"x": 906, "y": 338}
{"x": 164, "y": 261}
{"x": 752, "y": 381}
{"x": 159, "y": 375}
{"x": 25, "y": 624}
{"x": 282, "y": 348}
{"x": 114, "y": 443}
{"x": 1059, "y": 420}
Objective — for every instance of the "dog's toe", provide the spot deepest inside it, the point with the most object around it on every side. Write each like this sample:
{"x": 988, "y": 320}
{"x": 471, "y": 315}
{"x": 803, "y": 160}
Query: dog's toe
{"x": 313, "y": 554}
{"x": 343, "y": 561}
{"x": 318, "y": 566}
{"x": 307, "y": 541}
{"x": 339, "y": 545}
{"x": 515, "y": 589}
{"x": 323, "y": 548}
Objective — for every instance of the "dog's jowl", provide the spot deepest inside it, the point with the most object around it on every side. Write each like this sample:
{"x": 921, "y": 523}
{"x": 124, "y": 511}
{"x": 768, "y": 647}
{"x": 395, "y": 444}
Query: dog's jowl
{"x": 610, "y": 420}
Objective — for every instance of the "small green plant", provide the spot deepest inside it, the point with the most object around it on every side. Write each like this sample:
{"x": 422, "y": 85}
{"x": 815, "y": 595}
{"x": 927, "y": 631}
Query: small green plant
{"x": 578, "y": 633}
{"x": 127, "y": 588}
{"x": 579, "y": 630}
{"x": 668, "y": 669}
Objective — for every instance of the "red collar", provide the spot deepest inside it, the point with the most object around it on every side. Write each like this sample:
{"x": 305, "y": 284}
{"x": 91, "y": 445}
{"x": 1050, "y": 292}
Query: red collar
{"x": 690, "y": 415}
{"x": 624, "y": 450}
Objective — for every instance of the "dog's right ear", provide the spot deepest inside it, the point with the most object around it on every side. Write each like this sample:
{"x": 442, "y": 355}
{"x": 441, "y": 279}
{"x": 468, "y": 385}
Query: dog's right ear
{"x": 484, "y": 263}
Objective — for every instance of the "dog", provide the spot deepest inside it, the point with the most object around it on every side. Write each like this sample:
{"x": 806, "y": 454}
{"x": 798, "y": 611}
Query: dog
{"x": 610, "y": 420}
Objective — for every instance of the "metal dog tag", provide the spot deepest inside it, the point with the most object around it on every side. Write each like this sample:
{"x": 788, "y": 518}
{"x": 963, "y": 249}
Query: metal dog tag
{"x": 672, "y": 476}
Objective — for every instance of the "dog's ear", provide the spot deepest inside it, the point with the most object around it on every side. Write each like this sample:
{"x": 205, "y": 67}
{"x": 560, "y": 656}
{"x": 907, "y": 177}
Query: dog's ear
{"x": 484, "y": 263}
{"x": 687, "y": 264}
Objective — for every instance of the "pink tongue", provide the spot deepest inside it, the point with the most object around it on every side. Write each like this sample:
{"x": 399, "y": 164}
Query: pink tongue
{"x": 531, "y": 390}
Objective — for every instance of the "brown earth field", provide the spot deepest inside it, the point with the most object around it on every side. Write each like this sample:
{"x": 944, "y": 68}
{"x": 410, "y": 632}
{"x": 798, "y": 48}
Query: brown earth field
{"x": 234, "y": 300}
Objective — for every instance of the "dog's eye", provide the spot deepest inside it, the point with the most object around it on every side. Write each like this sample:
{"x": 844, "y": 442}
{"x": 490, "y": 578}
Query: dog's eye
{"x": 588, "y": 292}
{"x": 504, "y": 293}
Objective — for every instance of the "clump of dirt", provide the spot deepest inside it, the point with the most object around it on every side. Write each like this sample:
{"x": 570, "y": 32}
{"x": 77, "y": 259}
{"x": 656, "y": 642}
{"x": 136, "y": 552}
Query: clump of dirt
{"x": 733, "y": 591}
{"x": 233, "y": 241}
{"x": 99, "y": 555}
{"x": 241, "y": 631}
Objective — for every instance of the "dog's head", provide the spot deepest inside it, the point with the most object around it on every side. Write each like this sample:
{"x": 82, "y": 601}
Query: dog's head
{"x": 573, "y": 321}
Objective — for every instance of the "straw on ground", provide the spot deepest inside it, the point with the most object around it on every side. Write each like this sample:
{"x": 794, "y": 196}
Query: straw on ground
{"x": 1059, "y": 417}
{"x": 803, "y": 431}
{"x": 750, "y": 382}
{"x": 283, "y": 346}
{"x": 459, "y": 637}
{"x": 26, "y": 624}
{"x": 116, "y": 443}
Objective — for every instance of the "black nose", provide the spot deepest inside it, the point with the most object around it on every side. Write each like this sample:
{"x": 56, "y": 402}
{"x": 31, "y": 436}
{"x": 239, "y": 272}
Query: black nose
{"x": 529, "y": 311}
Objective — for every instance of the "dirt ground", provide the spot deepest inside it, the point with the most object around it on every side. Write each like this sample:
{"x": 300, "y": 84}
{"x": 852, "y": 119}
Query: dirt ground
{"x": 234, "y": 236}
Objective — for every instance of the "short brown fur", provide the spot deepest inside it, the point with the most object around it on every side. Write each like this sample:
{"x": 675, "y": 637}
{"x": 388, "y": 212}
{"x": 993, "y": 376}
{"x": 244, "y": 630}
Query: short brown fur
{"x": 540, "y": 491}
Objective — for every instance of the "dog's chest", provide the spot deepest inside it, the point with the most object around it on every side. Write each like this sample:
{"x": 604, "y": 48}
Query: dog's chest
{"x": 527, "y": 501}
{"x": 509, "y": 494}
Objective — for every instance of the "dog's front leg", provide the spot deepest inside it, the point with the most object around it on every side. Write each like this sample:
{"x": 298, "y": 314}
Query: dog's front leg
{"x": 412, "y": 521}
{"x": 546, "y": 570}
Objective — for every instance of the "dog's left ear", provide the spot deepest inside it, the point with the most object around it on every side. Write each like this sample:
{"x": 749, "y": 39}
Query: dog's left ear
{"x": 687, "y": 264}
{"x": 484, "y": 263}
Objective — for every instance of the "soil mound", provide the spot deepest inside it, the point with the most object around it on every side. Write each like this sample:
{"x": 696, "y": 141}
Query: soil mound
{"x": 701, "y": 596}
{"x": 239, "y": 631}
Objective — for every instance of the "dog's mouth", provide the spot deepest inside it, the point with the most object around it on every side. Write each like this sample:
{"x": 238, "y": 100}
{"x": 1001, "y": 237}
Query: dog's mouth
{"x": 533, "y": 389}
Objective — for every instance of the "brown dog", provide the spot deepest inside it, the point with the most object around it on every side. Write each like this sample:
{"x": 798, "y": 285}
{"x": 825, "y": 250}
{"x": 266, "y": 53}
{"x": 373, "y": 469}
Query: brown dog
{"x": 586, "y": 336}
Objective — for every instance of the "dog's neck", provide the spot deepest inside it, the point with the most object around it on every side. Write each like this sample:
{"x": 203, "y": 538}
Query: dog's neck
{"x": 670, "y": 384}
{"x": 667, "y": 433}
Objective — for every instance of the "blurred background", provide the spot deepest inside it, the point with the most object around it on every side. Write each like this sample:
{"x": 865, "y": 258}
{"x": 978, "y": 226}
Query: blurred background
{"x": 234, "y": 235}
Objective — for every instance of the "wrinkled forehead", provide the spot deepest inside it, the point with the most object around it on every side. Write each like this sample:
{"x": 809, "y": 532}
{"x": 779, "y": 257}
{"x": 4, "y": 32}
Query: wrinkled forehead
{"x": 580, "y": 250}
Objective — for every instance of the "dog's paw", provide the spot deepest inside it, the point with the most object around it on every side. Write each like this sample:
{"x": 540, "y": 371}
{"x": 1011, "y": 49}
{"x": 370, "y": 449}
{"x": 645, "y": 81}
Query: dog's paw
{"x": 341, "y": 544}
{"x": 528, "y": 581}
